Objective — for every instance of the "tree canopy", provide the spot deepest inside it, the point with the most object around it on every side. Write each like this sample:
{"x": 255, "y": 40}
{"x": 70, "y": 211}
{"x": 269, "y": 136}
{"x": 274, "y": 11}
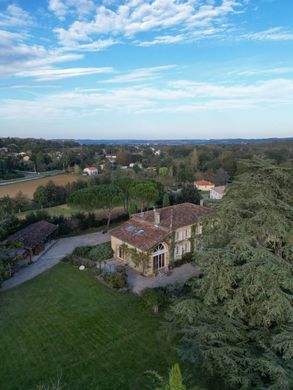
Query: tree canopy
{"x": 105, "y": 196}
{"x": 125, "y": 183}
{"x": 237, "y": 321}
{"x": 145, "y": 193}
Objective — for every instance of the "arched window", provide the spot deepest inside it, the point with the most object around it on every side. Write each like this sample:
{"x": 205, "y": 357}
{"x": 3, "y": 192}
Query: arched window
{"x": 160, "y": 247}
{"x": 159, "y": 257}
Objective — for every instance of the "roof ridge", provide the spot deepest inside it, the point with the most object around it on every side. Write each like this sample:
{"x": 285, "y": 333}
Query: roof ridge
{"x": 141, "y": 220}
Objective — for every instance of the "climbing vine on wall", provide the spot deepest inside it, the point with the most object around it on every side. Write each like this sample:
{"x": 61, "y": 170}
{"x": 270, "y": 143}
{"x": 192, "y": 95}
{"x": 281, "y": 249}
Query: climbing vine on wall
{"x": 139, "y": 259}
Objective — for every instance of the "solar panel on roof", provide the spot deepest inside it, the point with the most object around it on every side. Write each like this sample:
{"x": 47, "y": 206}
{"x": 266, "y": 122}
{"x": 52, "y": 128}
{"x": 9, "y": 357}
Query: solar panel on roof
{"x": 130, "y": 228}
{"x": 139, "y": 232}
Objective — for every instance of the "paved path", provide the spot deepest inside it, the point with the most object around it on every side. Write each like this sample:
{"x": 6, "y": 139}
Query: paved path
{"x": 63, "y": 247}
{"x": 181, "y": 274}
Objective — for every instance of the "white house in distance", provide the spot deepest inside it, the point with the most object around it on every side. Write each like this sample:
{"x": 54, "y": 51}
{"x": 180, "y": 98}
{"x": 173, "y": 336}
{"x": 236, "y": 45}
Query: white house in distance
{"x": 111, "y": 158}
{"x": 204, "y": 185}
{"x": 90, "y": 171}
{"x": 217, "y": 192}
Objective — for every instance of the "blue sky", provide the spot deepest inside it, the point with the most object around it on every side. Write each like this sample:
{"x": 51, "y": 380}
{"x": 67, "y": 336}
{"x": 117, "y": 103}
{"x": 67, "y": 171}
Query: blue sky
{"x": 146, "y": 69}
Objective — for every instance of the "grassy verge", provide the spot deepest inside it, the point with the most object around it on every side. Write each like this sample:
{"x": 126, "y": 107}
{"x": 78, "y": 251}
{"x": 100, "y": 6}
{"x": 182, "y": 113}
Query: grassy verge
{"x": 64, "y": 323}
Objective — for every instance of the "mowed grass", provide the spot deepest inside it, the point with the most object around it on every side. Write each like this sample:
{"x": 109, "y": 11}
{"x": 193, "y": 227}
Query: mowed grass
{"x": 66, "y": 324}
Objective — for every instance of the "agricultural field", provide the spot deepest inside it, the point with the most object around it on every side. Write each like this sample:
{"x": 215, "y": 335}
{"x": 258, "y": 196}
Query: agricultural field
{"x": 64, "y": 324}
{"x": 28, "y": 187}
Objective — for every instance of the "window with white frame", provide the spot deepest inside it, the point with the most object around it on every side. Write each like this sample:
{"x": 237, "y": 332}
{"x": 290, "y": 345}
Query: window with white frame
{"x": 159, "y": 257}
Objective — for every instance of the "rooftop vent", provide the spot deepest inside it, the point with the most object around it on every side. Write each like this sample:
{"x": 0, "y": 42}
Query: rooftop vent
{"x": 157, "y": 218}
{"x": 139, "y": 232}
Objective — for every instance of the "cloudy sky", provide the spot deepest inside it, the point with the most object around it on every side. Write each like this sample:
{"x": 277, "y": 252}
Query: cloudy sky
{"x": 146, "y": 69}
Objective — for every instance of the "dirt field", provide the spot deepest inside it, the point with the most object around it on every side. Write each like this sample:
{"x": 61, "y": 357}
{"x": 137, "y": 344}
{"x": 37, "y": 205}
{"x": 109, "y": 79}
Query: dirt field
{"x": 29, "y": 187}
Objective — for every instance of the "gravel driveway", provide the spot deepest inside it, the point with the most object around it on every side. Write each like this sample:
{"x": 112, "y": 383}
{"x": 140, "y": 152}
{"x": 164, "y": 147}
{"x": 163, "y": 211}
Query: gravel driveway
{"x": 62, "y": 247}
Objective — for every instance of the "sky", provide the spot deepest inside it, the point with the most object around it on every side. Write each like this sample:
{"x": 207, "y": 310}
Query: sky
{"x": 162, "y": 69}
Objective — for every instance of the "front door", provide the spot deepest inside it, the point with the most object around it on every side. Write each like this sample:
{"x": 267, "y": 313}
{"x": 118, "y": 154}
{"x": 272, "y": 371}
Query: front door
{"x": 159, "y": 261}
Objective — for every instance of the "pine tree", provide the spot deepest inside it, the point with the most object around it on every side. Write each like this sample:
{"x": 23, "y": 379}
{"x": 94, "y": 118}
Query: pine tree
{"x": 238, "y": 320}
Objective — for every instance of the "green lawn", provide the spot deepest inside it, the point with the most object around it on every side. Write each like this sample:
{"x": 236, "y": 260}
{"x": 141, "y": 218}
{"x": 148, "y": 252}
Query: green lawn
{"x": 64, "y": 323}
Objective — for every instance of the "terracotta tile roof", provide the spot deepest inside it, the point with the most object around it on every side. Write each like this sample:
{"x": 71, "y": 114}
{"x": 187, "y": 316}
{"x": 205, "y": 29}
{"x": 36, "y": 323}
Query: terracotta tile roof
{"x": 141, "y": 231}
{"x": 91, "y": 168}
{"x": 203, "y": 183}
{"x": 34, "y": 234}
{"x": 140, "y": 234}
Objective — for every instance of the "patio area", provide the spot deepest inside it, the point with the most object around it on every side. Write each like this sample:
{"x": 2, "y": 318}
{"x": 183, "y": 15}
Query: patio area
{"x": 137, "y": 282}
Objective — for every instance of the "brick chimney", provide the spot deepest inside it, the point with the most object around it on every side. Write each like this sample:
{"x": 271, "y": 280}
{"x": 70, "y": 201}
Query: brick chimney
{"x": 157, "y": 217}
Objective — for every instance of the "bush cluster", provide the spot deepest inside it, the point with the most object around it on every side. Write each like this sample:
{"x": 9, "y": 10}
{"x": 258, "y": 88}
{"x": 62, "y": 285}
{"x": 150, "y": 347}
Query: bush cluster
{"x": 78, "y": 261}
{"x": 116, "y": 279}
{"x": 186, "y": 258}
{"x": 154, "y": 298}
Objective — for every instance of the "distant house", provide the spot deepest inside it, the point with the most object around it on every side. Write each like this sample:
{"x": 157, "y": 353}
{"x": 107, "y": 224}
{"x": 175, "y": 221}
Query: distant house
{"x": 90, "y": 171}
{"x": 34, "y": 237}
{"x": 217, "y": 192}
{"x": 203, "y": 185}
{"x": 132, "y": 165}
{"x": 153, "y": 240}
{"x": 111, "y": 158}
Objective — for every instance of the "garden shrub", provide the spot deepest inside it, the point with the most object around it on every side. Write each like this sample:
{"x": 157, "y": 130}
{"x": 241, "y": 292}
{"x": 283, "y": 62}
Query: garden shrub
{"x": 82, "y": 251}
{"x": 78, "y": 261}
{"x": 186, "y": 258}
{"x": 154, "y": 298}
{"x": 101, "y": 252}
{"x": 116, "y": 279}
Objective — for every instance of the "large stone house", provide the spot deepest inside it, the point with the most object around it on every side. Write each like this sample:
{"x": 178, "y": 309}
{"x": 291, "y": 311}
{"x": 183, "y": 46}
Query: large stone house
{"x": 153, "y": 240}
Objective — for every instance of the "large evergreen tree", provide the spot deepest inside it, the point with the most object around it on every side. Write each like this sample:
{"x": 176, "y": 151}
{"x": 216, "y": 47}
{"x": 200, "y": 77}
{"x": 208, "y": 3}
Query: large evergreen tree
{"x": 238, "y": 320}
{"x": 104, "y": 196}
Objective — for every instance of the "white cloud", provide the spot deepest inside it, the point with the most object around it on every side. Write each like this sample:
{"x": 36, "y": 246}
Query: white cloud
{"x": 272, "y": 34}
{"x": 141, "y": 74}
{"x": 58, "y": 74}
{"x": 14, "y": 16}
{"x": 264, "y": 72}
{"x": 190, "y": 19}
{"x": 98, "y": 45}
{"x": 61, "y": 8}
{"x": 173, "y": 97}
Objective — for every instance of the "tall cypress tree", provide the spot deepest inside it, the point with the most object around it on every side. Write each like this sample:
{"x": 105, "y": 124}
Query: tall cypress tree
{"x": 238, "y": 320}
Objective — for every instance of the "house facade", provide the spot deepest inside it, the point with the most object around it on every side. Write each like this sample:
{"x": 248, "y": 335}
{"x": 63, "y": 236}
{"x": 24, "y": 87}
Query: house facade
{"x": 217, "y": 192}
{"x": 90, "y": 171}
{"x": 151, "y": 241}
